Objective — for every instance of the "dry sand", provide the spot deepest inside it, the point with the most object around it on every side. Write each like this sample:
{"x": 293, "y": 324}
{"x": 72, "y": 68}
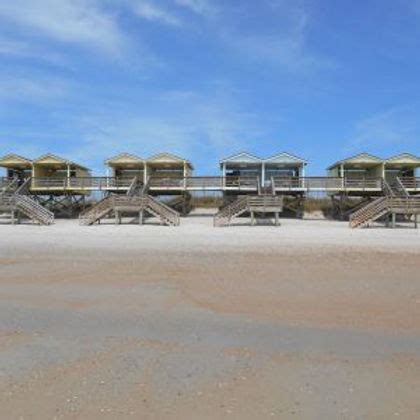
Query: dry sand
{"x": 310, "y": 320}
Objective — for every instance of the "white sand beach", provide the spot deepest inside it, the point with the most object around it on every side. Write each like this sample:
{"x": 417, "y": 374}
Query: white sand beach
{"x": 307, "y": 320}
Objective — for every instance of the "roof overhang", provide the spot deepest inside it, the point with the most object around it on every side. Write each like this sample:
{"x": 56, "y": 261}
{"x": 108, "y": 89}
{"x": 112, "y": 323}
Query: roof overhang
{"x": 286, "y": 159}
{"x": 168, "y": 160}
{"x": 125, "y": 160}
{"x": 362, "y": 160}
{"x": 56, "y": 162}
{"x": 243, "y": 158}
{"x": 13, "y": 161}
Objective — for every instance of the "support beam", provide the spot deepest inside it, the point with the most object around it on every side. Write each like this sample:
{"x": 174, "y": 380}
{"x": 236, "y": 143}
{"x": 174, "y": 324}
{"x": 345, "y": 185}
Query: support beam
{"x": 141, "y": 217}
{"x": 394, "y": 220}
{"x": 263, "y": 175}
{"x": 252, "y": 218}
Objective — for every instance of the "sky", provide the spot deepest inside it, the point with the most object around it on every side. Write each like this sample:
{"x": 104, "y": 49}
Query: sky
{"x": 204, "y": 79}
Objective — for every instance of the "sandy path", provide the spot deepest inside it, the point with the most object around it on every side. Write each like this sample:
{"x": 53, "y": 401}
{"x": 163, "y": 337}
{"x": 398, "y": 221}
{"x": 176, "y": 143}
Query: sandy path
{"x": 310, "y": 320}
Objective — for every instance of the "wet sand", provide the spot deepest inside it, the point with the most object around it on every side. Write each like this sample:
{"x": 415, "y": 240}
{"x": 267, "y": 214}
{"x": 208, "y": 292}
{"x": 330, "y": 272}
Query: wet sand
{"x": 309, "y": 320}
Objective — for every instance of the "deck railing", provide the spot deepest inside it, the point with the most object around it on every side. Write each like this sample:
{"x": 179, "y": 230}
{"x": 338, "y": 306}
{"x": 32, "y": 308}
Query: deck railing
{"x": 81, "y": 183}
{"x": 411, "y": 183}
{"x": 218, "y": 183}
{"x": 326, "y": 183}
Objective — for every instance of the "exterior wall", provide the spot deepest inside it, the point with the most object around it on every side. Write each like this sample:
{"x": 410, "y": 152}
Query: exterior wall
{"x": 360, "y": 173}
{"x": 166, "y": 171}
{"x": 244, "y": 170}
{"x": 334, "y": 172}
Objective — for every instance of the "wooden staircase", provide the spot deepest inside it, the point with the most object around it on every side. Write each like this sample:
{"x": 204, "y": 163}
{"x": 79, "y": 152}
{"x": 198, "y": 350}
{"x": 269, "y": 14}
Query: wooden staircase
{"x": 249, "y": 203}
{"x": 116, "y": 204}
{"x": 15, "y": 200}
{"x": 395, "y": 201}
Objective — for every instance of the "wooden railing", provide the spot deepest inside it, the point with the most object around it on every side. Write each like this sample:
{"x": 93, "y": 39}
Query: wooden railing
{"x": 326, "y": 183}
{"x": 412, "y": 184}
{"x": 81, "y": 183}
{"x": 382, "y": 206}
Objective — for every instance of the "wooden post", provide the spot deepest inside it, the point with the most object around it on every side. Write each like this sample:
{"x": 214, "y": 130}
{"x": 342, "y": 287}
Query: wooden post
{"x": 13, "y": 217}
{"x": 117, "y": 217}
{"x": 252, "y": 218}
{"x": 394, "y": 219}
{"x": 141, "y": 217}
{"x": 277, "y": 218}
{"x": 416, "y": 221}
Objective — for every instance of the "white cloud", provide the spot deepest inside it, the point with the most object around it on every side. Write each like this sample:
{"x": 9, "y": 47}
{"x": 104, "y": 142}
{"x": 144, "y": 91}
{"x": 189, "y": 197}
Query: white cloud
{"x": 153, "y": 12}
{"x": 74, "y": 21}
{"x": 285, "y": 46}
{"x": 397, "y": 127}
{"x": 25, "y": 89}
{"x": 202, "y": 7}
{"x": 26, "y": 50}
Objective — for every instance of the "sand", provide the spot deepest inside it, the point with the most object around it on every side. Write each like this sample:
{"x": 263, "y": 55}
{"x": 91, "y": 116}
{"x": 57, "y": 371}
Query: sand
{"x": 309, "y": 320}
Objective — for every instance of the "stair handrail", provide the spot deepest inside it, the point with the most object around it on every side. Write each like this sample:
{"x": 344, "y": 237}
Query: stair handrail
{"x": 161, "y": 208}
{"x": 401, "y": 187}
{"x": 24, "y": 188}
{"x": 146, "y": 186}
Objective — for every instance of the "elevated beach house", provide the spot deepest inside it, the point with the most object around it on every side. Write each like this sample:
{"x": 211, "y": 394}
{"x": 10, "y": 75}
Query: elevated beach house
{"x": 167, "y": 165}
{"x": 246, "y": 166}
{"x": 52, "y": 173}
{"x": 403, "y": 166}
{"x": 125, "y": 167}
{"x": 16, "y": 166}
{"x": 359, "y": 167}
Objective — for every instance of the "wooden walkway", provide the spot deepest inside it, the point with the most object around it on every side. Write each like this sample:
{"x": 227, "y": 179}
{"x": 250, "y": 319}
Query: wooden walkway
{"x": 214, "y": 183}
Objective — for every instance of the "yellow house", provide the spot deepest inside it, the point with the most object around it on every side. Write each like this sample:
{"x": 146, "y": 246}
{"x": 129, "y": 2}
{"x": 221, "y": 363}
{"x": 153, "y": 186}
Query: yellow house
{"x": 404, "y": 165}
{"x": 51, "y": 172}
{"x": 126, "y": 166}
{"x": 16, "y": 166}
{"x": 359, "y": 167}
{"x": 167, "y": 165}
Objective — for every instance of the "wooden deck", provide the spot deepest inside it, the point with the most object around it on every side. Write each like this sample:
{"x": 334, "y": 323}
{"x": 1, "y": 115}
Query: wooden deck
{"x": 279, "y": 185}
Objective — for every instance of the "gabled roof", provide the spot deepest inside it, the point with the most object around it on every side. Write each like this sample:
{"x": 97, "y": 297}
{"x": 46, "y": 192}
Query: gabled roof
{"x": 285, "y": 158}
{"x": 168, "y": 158}
{"x": 404, "y": 158}
{"x": 124, "y": 158}
{"x": 13, "y": 159}
{"x": 242, "y": 157}
{"x": 358, "y": 159}
{"x": 51, "y": 159}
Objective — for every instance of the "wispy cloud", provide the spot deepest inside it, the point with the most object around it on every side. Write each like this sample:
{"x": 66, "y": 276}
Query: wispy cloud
{"x": 395, "y": 128}
{"x": 81, "y": 22}
{"x": 202, "y": 7}
{"x": 29, "y": 89}
{"x": 283, "y": 43}
{"x": 153, "y": 12}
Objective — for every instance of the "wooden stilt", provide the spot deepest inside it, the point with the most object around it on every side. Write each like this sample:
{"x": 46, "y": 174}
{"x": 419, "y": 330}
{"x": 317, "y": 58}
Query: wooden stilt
{"x": 277, "y": 218}
{"x": 252, "y": 218}
{"x": 117, "y": 218}
{"x": 141, "y": 217}
{"x": 394, "y": 220}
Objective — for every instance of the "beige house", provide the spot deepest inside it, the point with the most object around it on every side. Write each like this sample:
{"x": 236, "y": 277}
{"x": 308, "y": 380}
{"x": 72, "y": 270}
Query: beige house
{"x": 366, "y": 166}
{"x": 247, "y": 165}
{"x": 51, "y": 172}
{"x": 167, "y": 165}
{"x": 16, "y": 166}
{"x": 126, "y": 166}
{"x": 404, "y": 165}
{"x": 362, "y": 166}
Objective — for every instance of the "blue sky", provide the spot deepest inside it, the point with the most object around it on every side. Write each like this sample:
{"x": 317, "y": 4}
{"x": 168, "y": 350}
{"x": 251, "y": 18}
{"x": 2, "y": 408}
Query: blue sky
{"x": 88, "y": 79}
